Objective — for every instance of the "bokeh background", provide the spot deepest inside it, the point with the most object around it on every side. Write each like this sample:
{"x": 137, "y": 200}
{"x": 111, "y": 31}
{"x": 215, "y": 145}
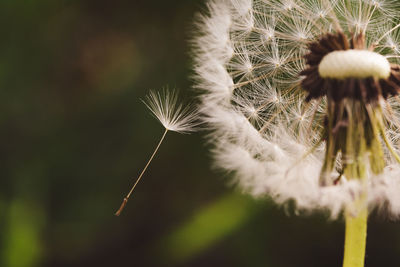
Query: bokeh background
{"x": 74, "y": 134}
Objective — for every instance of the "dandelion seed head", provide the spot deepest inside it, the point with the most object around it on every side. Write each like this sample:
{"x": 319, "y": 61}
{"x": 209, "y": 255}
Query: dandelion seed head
{"x": 249, "y": 55}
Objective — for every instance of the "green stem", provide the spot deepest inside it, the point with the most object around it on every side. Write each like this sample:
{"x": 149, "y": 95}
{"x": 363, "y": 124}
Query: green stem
{"x": 357, "y": 212}
{"x": 356, "y": 238}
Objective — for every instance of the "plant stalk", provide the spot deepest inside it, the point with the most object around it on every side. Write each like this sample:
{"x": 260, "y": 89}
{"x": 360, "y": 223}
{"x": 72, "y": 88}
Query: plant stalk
{"x": 355, "y": 239}
{"x": 361, "y": 137}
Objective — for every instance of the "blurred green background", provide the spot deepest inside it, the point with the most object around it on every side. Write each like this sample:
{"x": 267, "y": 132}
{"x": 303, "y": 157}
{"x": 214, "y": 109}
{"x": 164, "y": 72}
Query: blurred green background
{"x": 74, "y": 134}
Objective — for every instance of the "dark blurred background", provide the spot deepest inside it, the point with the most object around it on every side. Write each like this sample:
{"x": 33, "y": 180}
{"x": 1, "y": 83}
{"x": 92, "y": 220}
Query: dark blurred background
{"x": 74, "y": 134}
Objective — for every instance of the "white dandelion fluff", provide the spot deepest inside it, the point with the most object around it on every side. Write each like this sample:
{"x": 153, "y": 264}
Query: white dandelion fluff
{"x": 269, "y": 107}
{"x": 171, "y": 113}
{"x": 174, "y": 116}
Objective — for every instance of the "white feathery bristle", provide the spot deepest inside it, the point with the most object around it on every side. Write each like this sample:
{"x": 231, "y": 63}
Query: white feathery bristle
{"x": 173, "y": 115}
{"x": 248, "y": 55}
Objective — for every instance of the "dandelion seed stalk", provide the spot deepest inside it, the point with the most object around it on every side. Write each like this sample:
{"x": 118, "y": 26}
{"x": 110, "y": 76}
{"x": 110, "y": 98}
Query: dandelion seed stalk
{"x": 125, "y": 201}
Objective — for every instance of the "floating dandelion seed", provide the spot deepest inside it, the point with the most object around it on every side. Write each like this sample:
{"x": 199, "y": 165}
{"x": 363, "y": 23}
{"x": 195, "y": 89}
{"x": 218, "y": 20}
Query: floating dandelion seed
{"x": 302, "y": 98}
{"x": 173, "y": 116}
